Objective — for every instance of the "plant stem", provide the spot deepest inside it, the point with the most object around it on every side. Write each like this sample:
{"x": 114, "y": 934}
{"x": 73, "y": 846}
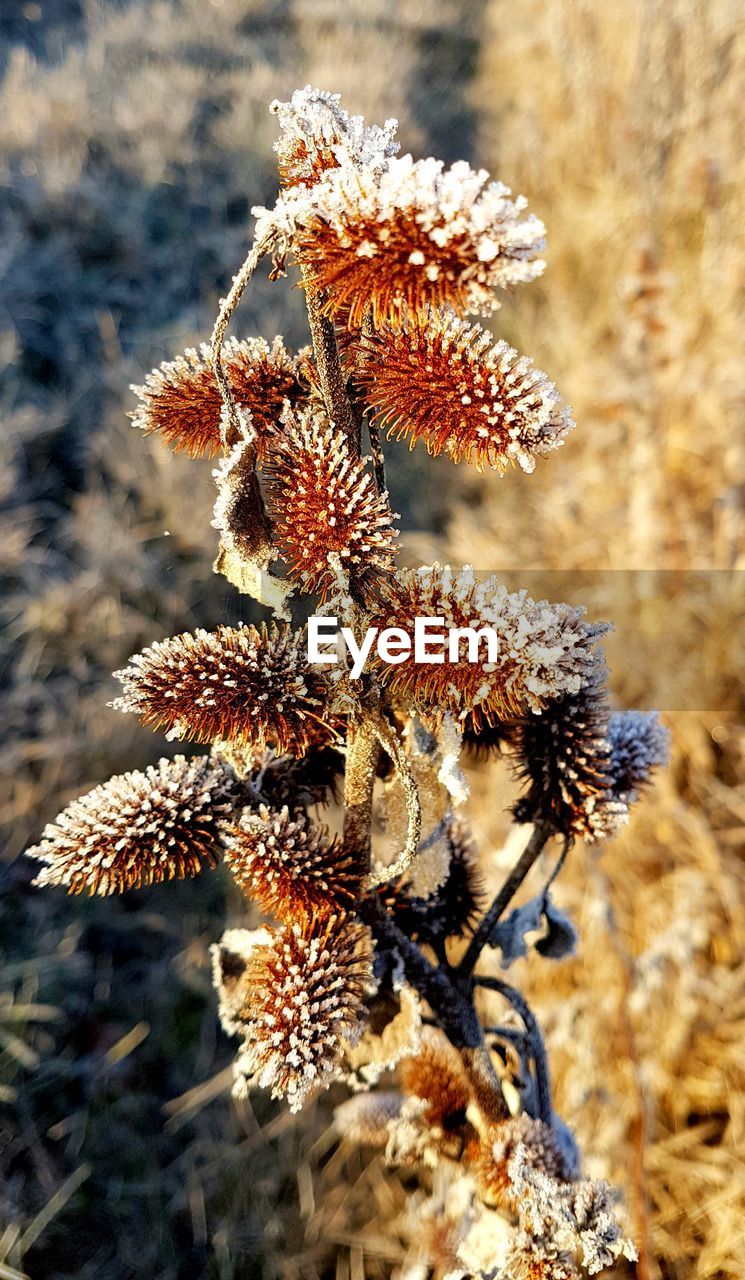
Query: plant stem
{"x": 330, "y": 374}
{"x": 451, "y": 1005}
{"x": 535, "y": 1042}
{"x": 229, "y": 304}
{"x": 530, "y": 854}
{"x": 359, "y": 779}
{"x": 386, "y": 736}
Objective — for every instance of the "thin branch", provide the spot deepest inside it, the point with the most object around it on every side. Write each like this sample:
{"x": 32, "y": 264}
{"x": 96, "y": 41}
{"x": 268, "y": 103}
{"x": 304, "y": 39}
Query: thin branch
{"x": 330, "y": 373}
{"x": 535, "y": 1042}
{"x": 452, "y": 1007}
{"x": 256, "y": 253}
{"x": 542, "y": 832}
{"x": 359, "y": 779}
{"x": 378, "y": 458}
{"x": 390, "y": 743}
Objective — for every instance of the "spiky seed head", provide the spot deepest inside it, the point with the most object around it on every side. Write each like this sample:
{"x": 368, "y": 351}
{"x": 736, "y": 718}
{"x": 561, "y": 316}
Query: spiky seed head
{"x": 180, "y": 401}
{"x": 291, "y": 866}
{"x": 445, "y": 382}
{"x": 544, "y": 650}
{"x": 299, "y": 1000}
{"x": 564, "y": 755}
{"x": 139, "y": 828}
{"x": 326, "y": 509}
{"x": 417, "y": 235}
{"x": 318, "y": 135}
{"x": 491, "y": 1158}
{"x": 235, "y": 683}
{"x": 463, "y": 895}
{"x": 639, "y": 744}
{"x": 436, "y": 1075}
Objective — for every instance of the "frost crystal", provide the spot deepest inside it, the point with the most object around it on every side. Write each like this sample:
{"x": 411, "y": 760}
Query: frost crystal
{"x": 417, "y": 235}
{"x": 318, "y": 135}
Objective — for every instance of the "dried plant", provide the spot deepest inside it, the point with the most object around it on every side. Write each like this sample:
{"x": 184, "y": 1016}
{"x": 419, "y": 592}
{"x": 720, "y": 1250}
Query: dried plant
{"x": 375, "y": 963}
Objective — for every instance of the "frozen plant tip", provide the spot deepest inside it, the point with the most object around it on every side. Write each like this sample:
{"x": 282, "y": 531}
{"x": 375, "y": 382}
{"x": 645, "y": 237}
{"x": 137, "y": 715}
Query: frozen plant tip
{"x": 446, "y": 383}
{"x": 333, "y": 790}
{"x": 140, "y": 828}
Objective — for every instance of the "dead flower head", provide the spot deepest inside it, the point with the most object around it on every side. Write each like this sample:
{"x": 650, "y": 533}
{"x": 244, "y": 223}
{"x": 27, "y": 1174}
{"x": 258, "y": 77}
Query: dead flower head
{"x": 289, "y": 865}
{"x": 445, "y": 382}
{"x": 318, "y": 135}
{"x": 544, "y": 650}
{"x": 298, "y": 1001}
{"x": 325, "y": 508}
{"x": 139, "y": 828}
{"x": 180, "y": 401}
{"x": 415, "y": 236}
{"x": 235, "y": 683}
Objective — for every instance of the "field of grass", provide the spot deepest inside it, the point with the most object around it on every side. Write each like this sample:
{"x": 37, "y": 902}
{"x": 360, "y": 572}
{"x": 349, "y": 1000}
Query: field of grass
{"x": 134, "y": 138}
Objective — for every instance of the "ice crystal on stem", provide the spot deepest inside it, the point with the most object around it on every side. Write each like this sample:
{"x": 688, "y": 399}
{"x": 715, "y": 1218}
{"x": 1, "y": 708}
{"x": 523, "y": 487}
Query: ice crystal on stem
{"x": 374, "y": 961}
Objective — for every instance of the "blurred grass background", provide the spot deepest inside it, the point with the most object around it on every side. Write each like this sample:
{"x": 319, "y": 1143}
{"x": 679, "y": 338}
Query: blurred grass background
{"x": 134, "y": 137}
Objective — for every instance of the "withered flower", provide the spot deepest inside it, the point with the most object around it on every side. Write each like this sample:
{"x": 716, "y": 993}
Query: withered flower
{"x": 491, "y": 1159}
{"x": 325, "y": 508}
{"x": 447, "y": 383}
{"x": 236, "y": 683}
{"x": 414, "y": 236}
{"x": 436, "y": 1075}
{"x": 639, "y": 745}
{"x": 365, "y": 1118}
{"x": 291, "y": 866}
{"x": 565, "y": 756}
{"x": 139, "y": 828}
{"x": 316, "y": 135}
{"x": 180, "y": 401}
{"x": 303, "y": 999}
{"x": 544, "y": 650}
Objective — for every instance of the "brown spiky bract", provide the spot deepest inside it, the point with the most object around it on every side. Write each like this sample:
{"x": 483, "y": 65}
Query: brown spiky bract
{"x": 327, "y": 514}
{"x": 565, "y": 756}
{"x": 445, "y": 382}
{"x": 544, "y": 650}
{"x": 291, "y": 866}
{"x": 237, "y": 683}
{"x": 415, "y": 236}
{"x": 435, "y": 1074}
{"x": 181, "y": 403}
{"x": 139, "y": 828}
{"x": 491, "y": 1158}
{"x": 304, "y": 1001}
